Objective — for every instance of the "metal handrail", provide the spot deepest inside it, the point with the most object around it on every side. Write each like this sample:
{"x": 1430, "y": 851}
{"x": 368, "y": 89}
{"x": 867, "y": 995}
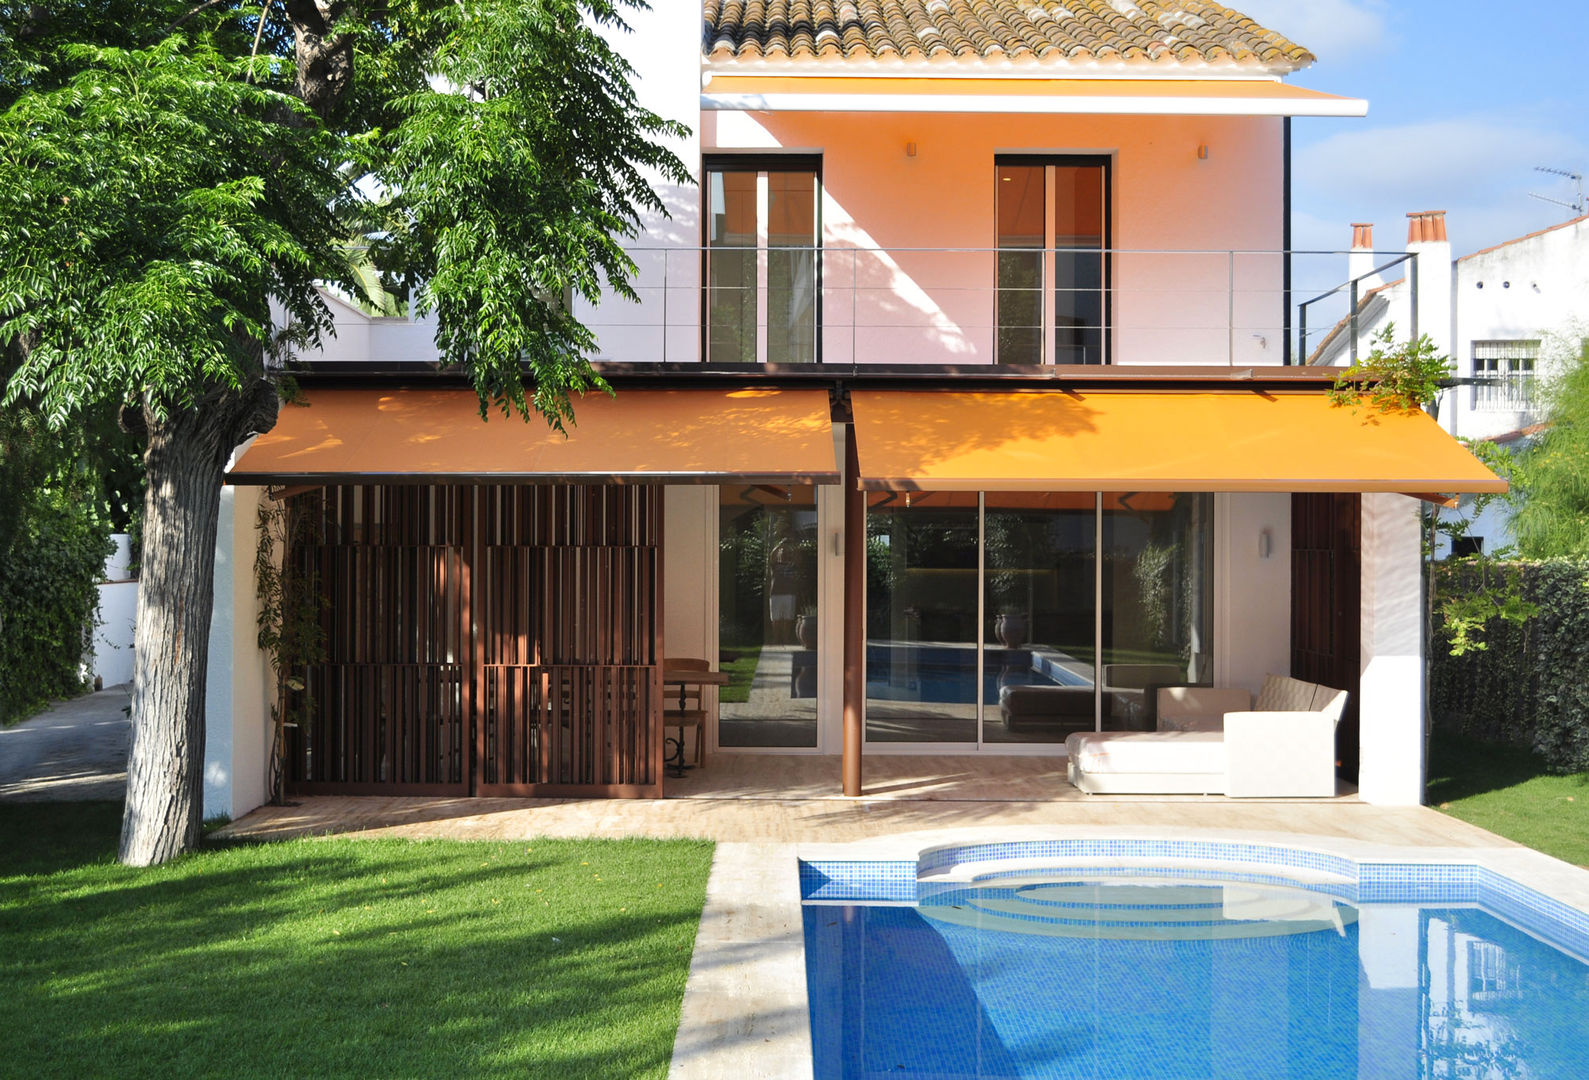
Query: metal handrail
{"x": 928, "y": 306}
{"x": 1351, "y": 285}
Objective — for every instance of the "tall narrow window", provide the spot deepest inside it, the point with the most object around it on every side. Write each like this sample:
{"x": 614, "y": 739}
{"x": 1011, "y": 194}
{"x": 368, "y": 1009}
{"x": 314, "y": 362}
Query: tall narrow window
{"x": 762, "y": 235}
{"x": 1053, "y": 261}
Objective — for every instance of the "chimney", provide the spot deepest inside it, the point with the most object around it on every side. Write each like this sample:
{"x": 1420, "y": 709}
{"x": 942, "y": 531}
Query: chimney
{"x": 1360, "y": 262}
{"x": 1426, "y": 238}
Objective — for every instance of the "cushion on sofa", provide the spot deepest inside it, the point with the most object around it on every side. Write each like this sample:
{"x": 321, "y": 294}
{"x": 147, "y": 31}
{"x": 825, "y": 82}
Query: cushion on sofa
{"x": 1281, "y": 693}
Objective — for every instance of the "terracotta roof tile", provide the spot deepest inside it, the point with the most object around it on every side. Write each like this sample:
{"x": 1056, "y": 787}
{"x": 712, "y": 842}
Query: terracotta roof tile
{"x": 1051, "y": 31}
{"x": 1041, "y": 30}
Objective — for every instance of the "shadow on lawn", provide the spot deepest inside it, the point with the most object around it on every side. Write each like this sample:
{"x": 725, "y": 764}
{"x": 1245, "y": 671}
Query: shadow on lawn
{"x": 1460, "y": 767}
{"x": 313, "y": 958}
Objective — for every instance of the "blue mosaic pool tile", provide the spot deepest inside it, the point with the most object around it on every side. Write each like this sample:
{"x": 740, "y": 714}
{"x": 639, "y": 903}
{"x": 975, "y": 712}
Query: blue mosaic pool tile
{"x": 836, "y": 880}
{"x": 1409, "y": 883}
{"x": 1563, "y": 926}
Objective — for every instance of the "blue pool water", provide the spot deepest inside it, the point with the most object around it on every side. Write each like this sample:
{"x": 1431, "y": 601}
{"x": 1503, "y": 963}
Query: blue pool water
{"x": 1133, "y": 974}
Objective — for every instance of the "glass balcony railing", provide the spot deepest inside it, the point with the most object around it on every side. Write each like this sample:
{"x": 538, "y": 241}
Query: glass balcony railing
{"x": 1019, "y": 307}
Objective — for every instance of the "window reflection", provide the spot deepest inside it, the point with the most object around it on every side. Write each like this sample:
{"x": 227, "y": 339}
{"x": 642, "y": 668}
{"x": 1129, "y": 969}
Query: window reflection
{"x": 1157, "y": 569}
{"x": 767, "y": 616}
{"x": 921, "y": 595}
{"x": 1038, "y": 662}
{"x": 1052, "y": 660}
{"x": 761, "y": 267}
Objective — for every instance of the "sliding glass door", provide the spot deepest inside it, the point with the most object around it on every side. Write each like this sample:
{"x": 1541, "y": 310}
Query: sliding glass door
{"x": 767, "y": 616}
{"x": 1038, "y": 623}
{"x": 1053, "y": 263}
{"x": 762, "y": 235}
{"x": 1023, "y": 617}
{"x": 921, "y": 610}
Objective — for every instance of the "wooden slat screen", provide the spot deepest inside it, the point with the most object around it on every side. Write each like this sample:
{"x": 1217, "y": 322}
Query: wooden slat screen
{"x": 484, "y": 639}
{"x": 570, "y": 693}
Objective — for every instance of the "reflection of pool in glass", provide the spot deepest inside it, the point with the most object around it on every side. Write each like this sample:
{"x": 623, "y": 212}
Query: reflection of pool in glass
{"x": 948, "y": 673}
{"x": 1133, "y": 972}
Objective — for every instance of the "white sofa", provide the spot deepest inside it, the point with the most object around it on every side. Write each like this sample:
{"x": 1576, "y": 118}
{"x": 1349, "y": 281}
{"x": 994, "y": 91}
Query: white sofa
{"x": 1217, "y": 741}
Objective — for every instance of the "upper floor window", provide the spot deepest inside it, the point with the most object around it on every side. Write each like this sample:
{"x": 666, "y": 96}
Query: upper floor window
{"x": 763, "y": 230}
{"x": 1509, "y": 365}
{"x": 1053, "y": 261}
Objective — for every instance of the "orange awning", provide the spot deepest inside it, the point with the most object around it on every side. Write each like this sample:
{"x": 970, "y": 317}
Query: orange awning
{"x": 942, "y": 93}
{"x": 671, "y": 436}
{"x": 1161, "y": 441}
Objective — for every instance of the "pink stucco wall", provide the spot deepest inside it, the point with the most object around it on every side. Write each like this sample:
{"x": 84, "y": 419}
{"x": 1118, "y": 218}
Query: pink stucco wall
{"x": 897, "y": 306}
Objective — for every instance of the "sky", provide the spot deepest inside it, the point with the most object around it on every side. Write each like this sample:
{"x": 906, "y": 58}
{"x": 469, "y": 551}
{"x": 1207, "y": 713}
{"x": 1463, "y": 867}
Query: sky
{"x": 1465, "y": 98}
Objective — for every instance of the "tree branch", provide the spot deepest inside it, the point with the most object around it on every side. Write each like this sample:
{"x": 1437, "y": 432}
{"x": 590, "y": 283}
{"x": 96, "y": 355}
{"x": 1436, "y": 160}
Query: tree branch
{"x": 190, "y": 13}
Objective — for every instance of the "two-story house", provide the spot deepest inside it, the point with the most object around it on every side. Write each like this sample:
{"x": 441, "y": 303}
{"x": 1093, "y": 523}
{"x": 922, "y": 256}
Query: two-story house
{"x": 961, "y": 411}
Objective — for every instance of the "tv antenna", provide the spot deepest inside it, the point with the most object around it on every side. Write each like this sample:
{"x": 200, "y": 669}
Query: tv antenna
{"x": 1577, "y": 206}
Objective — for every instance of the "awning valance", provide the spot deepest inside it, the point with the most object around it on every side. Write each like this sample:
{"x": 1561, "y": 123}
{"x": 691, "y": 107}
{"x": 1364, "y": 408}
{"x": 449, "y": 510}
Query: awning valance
{"x": 1152, "y": 441}
{"x": 1117, "y": 97}
{"x": 657, "y": 436}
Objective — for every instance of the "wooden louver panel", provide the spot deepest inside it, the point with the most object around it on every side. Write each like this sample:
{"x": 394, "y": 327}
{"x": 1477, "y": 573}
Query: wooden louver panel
{"x": 484, "y": 639}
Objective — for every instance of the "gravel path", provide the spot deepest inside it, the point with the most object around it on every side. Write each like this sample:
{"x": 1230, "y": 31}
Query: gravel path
{"x": 73, "y": 751}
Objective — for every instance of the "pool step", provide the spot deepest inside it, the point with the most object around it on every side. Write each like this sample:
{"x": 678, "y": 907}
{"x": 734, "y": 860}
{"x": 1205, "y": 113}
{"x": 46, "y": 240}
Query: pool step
{"x": 1071, "y": 905}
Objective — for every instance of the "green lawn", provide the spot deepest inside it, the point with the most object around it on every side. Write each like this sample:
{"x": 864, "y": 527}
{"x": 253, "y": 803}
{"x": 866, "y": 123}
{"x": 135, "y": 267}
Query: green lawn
{"x": 357, "y": 958}
{"x": 740, "y": 666}
{"x": 1508, "y": 791}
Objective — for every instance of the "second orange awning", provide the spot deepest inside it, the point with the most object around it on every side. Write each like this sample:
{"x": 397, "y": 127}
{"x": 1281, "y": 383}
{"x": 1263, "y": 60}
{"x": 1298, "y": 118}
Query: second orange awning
{"x": 1152, "y": 441}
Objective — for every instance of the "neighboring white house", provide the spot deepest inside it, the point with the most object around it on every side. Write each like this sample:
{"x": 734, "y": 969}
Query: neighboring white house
{"x": 118, "y": 614}
{"x": 1514, "y": 309}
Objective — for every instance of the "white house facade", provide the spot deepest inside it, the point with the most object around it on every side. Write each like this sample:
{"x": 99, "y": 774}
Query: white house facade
{"x": 964, "y": 408}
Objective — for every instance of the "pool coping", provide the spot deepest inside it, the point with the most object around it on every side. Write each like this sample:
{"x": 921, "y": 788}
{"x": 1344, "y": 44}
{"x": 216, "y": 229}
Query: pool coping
{"x": 745, "y": 1010}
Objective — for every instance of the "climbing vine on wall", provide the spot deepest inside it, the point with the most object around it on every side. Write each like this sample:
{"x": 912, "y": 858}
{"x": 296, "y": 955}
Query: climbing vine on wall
{"x": 291, "y": 633}
{"x": 1527, "y": 687}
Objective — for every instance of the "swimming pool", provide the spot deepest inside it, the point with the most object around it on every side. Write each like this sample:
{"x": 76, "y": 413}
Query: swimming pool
{"x": 1173, "y": 959}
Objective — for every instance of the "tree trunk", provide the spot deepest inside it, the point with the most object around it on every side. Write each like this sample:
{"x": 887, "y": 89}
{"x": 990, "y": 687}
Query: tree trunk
{"x": 185, "y": 460}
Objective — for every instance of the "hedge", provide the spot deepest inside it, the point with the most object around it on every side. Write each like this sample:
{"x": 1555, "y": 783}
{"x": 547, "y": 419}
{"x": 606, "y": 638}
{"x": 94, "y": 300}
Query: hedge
{"x": 48, "y": 597}
{"x": 1530, "y": 686}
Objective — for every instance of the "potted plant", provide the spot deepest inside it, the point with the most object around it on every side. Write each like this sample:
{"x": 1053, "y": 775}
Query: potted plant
{"x": 806, "y": 626}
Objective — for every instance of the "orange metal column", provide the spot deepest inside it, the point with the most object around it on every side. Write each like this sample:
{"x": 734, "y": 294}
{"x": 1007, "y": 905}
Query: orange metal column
{"x": 854, "y": 614}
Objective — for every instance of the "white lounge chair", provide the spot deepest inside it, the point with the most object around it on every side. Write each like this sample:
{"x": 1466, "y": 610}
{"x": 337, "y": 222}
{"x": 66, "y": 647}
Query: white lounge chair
{"x": 1218, "y": 741}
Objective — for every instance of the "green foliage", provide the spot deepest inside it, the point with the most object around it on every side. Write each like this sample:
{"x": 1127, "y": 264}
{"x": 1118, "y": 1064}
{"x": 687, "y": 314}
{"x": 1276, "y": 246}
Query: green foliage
{"x": 50, "y": 567}
{"x": 1525, "y": 686}
{"x": 1153, "y": 572}
{"x": 1551, "y": 477}
{"x": 519, "y": 188}
{"x": 178, "y": 180}
{"x": 148, "y": 207}
{"x": 553, "y": 959}
{"x": 1393, "y": 377}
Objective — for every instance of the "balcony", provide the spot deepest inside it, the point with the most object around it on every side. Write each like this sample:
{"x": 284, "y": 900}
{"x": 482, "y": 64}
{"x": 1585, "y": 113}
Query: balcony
{"x": 1016, "y": 308}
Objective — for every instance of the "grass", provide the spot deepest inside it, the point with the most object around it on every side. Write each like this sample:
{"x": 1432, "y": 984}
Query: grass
{"x": 356, "y": 958}
{"x": 1508, "y": 791}
{"x": 740, "y": 665}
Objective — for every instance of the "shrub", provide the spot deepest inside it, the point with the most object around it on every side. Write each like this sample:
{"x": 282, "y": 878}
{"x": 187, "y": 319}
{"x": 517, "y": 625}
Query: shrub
{"x": 1527, "y": 687}
{"x": 48, "y": 597}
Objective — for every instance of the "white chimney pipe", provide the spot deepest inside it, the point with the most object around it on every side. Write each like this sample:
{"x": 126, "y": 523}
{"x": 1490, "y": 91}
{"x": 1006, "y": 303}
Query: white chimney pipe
{"x": 1426, "y": 238}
